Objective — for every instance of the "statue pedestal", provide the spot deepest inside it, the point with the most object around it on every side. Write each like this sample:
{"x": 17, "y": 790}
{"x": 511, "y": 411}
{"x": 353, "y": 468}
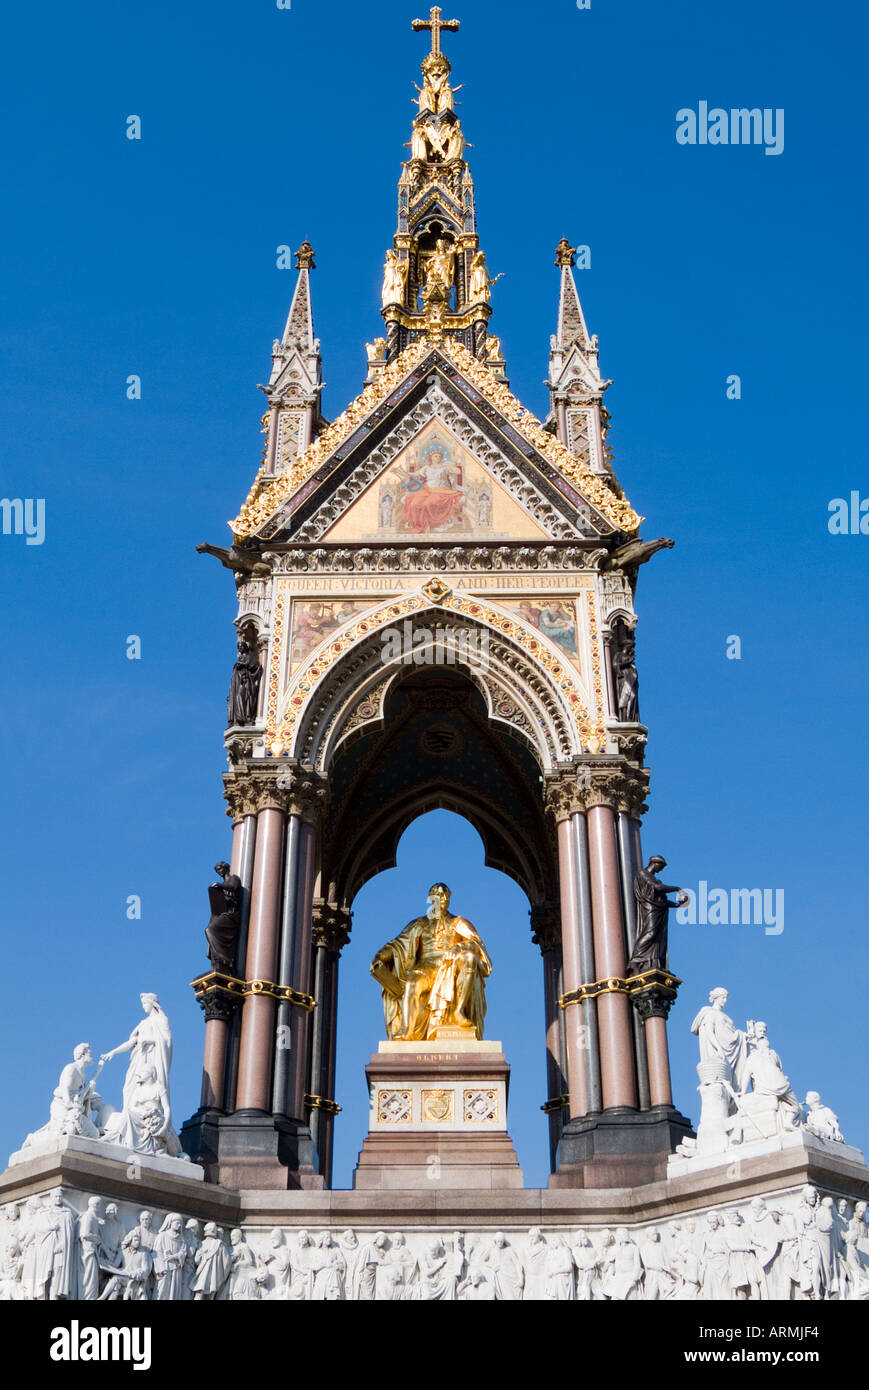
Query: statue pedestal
{"x": 438, "y": 1118}
{"x": 136, "y": 1163}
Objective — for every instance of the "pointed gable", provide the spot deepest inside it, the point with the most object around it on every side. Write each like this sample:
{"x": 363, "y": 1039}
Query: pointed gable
{"x": 350, "y": 454}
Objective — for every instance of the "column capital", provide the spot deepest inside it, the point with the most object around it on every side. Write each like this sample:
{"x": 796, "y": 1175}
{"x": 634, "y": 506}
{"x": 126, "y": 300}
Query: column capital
{"x": 330, "y": 926}
{"x": 597, "y": 781}
{"x": 287, "y": 787}
{"x": 654, "y": 993}
{"x": 545, "y": 927}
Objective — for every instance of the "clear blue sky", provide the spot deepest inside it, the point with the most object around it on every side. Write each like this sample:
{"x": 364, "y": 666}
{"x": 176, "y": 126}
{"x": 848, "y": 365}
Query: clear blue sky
{"x": 157, "y": 258}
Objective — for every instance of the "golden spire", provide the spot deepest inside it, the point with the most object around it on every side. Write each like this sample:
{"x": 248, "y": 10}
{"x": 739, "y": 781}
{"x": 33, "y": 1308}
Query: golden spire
{"x": 435, "y": 24}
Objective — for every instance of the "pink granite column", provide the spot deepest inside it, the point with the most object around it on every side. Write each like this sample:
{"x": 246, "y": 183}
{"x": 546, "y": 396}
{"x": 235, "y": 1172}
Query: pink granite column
{"x": 659, "y": 1061}
{"x": 570, "y": 946}
{"x": 258, "y": 1015}
{"x": 618, "y": 1075}
{"x": 300, "y": 1021}
{"x": 214, "y": 1063}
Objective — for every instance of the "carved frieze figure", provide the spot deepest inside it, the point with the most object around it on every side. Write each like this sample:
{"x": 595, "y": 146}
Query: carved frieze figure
{"x": 246, "y": 1280}
{"x": 721, "y": 1040}
{"x": 559, "y": 1271}
{"x": 276, "y": 1262}
{"x": 130, "y": 1284}
{"x": 504, "y": 1269}
{"x": 400, "y": 1271}
{"x": 432, "y": 975}
{"x": 715, "y": 1259}
{"x": 536, "y": 1251}
{"x": 302, "y": 1267}
{"x": 144, "y": 1124}
{"x": 170, "y": 1255}
{"x": 244, "y": 686}
{"x": 653, "y": 909}
{"x": 440, "y": 1271}
{"x": 626, "y": 1272}
{"x": 329, "y": 1270}
{"x": 49, "y": 1269}
{"x": 625, "y": 674}
{"x": 820, "y": 1119}
{"x": 90, "y": 1241}
{"x": 394, "y": 279}
{"x": 224, "y": 898}
{"x": 193, "y": 1240}
{"x": 585, "y": 1260}
{"x": 212, "y": 1265}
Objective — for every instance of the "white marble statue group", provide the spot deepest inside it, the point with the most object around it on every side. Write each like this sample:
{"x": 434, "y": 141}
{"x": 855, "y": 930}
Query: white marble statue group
{"x": 805, "y": 1247}
{"x": 745, "y": 1096}
{"x": 144, "y": 1123}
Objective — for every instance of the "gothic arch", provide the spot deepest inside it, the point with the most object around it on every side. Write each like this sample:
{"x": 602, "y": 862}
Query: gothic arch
{"x": 523, "y": 680}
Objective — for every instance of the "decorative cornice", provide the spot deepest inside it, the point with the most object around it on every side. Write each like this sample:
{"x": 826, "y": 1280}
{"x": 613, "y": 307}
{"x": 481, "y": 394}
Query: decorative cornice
{"x": 397, "y": 557}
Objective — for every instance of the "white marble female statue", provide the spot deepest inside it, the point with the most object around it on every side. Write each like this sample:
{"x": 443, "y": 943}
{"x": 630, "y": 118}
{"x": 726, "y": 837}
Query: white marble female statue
{"x": 721, "y": 1040}
{"x": 145, "y": 1122}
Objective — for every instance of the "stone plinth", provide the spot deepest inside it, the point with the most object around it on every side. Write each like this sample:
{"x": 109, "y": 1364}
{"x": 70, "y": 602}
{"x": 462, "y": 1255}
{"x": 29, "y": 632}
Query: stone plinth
{"x": 795, "y": 1144}
{"x": 99, "y": 1148}
{"x": 438, "y": 1115}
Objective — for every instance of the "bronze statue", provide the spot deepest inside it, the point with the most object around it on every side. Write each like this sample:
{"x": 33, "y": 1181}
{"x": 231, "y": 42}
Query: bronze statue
{"x": 432, "y": 975}
{"x": 225, "y": 922}
{"x": 625, "y": 673}
{"x": 244, "y": 686}
{"x": 653, "y": 909}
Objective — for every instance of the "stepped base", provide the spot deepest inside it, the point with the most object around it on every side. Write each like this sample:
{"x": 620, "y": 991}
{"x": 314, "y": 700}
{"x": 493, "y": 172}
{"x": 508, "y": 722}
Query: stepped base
{"x": 438, "y": 1118}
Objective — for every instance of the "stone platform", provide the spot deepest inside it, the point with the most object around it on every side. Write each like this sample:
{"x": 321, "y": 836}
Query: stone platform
{"x": 486, "y": 1233}
{"x": 438, "y": 1112}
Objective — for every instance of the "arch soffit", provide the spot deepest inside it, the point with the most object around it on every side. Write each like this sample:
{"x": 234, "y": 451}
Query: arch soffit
{"x": 375, "y": 847}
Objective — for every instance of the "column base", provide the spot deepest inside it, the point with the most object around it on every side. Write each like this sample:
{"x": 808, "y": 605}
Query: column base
{"x": 252, "y": 1149}
{"x": 199, "y": 1139}
{"x": 619, "y": 1147}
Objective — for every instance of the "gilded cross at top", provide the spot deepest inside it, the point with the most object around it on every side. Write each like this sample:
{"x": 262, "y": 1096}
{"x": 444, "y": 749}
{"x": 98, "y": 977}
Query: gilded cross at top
{"x": 435, "y": 23}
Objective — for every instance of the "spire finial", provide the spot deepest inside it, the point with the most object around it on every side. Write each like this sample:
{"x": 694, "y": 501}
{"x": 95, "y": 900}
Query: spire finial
{"x": 305, "y": 257}
{"x": 565, "y": 254}
{"x": 435, "y": 24}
